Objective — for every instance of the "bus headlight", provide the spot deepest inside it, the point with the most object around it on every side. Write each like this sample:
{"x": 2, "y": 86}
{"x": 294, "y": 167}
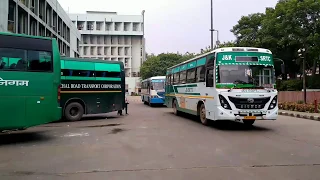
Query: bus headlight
{"x": 273, "y": 103}
{"x": 224, "y": 103}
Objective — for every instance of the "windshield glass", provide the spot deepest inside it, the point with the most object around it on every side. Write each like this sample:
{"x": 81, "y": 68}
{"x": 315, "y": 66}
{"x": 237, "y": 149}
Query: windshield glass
{"x": 158, "y": 85}
{"x": 257, "y": 75}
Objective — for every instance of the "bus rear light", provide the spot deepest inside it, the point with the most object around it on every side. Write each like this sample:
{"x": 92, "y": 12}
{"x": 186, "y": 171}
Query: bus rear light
{"x": 59, "y": 93}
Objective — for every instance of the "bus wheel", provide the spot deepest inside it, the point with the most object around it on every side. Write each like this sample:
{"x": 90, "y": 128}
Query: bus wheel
{"x": 202, "y": 114}
{"x": 73, "y": 112}
{"x": 174, "y": 107}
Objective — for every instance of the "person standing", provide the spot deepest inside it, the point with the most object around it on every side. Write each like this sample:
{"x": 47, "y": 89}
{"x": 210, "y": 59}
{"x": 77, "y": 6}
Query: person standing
{"x": 126, "y": 105}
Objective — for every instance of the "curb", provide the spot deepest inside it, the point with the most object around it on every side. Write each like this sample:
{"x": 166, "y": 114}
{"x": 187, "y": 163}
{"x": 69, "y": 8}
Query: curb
{"x": 297, "y": 115}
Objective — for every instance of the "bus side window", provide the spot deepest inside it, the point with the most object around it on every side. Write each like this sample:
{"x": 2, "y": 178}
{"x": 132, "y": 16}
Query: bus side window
{"x": 191, "y": 75}
{"x": 13, "y": 59}
{"x": 201, "y": 73}
{"x": 209, "y": 79}
{"x": 183, "y": 76}
{"x": 176, "y": 77}
{"x": 113, "y": 74}
{"x": 210, "y": 60}
{"x": 40, "y": 61}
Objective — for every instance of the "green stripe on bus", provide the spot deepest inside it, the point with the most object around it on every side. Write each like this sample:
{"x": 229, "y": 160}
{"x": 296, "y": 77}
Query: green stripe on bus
{"x": 107, "y": 67}
{"x": 79, "y": 65}
{"x": 192, "y": 65}
{"x": 90, "y": 78}
{"x": 183, "y": 67}
{"x": 107, "y": 79}
{"x": 78, "y": 78}
{"x": 201, "y": 61}
{"x": 62, "y": 64}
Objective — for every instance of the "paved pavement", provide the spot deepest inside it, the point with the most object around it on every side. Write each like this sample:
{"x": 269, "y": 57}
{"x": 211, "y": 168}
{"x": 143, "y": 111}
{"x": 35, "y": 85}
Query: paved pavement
{"x": 304, "y": 115}
{"x": 152, "y": 143}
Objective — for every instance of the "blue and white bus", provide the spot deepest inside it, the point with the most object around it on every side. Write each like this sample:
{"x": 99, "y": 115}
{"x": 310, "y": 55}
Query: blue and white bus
{"x": 153, "y": 90}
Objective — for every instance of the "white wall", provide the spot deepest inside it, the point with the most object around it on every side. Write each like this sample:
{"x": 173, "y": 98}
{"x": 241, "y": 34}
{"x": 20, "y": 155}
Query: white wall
{"x": 136, "y": 54}
{"x": 4, "y": 4}
{"x": 132, "y": 81}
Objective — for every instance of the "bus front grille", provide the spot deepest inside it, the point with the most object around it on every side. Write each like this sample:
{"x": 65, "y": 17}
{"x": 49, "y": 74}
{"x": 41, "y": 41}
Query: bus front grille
{"x": 249, "y": 103}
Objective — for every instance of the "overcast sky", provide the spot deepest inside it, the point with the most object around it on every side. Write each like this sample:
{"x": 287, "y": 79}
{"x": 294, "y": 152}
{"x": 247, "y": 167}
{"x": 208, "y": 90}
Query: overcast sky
{"x": 177, "y": 25}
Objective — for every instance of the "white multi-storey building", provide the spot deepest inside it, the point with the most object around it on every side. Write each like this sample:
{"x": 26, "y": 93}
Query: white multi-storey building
{"x": 40, "y": 18}
{"x": 109, "y": 36}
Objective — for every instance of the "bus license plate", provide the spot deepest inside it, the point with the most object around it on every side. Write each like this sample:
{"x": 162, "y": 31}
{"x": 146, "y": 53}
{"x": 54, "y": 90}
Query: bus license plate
{"x": 249, "y": 118}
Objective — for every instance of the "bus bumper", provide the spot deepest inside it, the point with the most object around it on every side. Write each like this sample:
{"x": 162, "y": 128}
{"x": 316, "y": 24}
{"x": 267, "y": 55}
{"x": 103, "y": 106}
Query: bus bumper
{"x": 244, "y": 114}
{"x": 157, "y": 101}
{"x": 58, "y": 114}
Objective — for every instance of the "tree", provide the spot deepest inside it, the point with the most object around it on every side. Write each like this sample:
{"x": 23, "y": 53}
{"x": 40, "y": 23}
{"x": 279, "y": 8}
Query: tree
{"x": 157, "y": 65}
{"x": 247, "y": 30}
{"x": 291, "y": 25}
{"x": 227, "y": 44}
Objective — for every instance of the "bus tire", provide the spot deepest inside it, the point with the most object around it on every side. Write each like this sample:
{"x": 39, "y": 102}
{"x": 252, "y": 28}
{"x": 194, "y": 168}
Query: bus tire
{"x": 74, "y": 111}
{"x": 174, "y": 108}
{"x": 202, "y": 115}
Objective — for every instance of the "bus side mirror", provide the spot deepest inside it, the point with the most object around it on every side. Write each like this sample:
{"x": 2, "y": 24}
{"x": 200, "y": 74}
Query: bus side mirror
{"x": 283, "y": 69}
{"x": 151, "y": 87}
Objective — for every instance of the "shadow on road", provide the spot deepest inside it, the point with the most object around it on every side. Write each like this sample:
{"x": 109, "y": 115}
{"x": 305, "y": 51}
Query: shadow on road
{"x": 155, "y": 106}
{"x": 89, "y": 117}
{"x": 23, "y": 137}
{"x": 224, "y": 125}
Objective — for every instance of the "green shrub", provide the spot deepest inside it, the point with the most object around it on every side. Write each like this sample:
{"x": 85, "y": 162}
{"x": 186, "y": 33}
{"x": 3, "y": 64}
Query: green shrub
{"x": 290, "y": 106}
{"x": 290, "y": 85}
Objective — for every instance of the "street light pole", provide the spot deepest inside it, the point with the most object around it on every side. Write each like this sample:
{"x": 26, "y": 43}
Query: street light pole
{"x": 211, "y": 25}
{"x": 301, "y": 54}
{"x": 143, "y": 39}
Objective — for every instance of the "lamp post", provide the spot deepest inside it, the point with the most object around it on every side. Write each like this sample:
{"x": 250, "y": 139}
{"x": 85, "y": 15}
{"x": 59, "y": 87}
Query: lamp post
{"x": 217, "y": 42}
{"x": 143, "y": 39}
{"x": 211, "y": 29}
{"x": 301, "y": 54}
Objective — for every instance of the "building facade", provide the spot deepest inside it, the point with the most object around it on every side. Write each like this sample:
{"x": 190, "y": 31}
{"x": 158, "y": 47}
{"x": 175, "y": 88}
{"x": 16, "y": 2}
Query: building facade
{"x": 109, "y": 36}
{"x": 40, "y": 18}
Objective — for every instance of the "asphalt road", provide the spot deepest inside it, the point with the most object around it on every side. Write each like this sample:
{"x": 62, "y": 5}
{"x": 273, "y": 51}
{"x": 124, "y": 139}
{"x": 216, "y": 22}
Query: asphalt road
{"x": 152, "y": 143}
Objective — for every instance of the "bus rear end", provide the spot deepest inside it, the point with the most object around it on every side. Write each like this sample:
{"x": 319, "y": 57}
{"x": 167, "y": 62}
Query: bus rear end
{"x": 29, "y": 81}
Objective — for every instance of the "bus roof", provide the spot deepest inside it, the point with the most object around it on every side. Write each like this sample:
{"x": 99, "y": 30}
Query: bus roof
{"x": 90, "y": 60}
{"x": 154, "y": 77}
{"x": 24, "y": 35}
{"x": 226, "y": 49}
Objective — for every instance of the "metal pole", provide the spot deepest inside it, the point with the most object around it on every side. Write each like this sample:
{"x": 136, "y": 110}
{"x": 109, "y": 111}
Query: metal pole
{"x": 143, "y": 40}
{"x": 304, "y": 79}
{"x": 211, "y": 24}
{"x": 143, "y": 22}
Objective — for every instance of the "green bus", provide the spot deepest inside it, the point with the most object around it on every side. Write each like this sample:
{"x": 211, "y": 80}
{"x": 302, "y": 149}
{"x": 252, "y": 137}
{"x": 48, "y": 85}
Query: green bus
{"x": 91, "y": 86}
{"x": 232, "y": 83}
{"x": 29, "y": 81}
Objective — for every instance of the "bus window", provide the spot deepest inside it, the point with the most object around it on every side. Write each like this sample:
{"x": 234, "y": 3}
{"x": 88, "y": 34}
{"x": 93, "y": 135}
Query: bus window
{"x": 183, "y": 76}
{"x": 209, "y": 78}
{"x": 176, "y": 78}
{"x": 40, "y": 61}
{"x": 201, "y": 74}
{"x": 13, "y": 59}
{"x": 191, "y": 76}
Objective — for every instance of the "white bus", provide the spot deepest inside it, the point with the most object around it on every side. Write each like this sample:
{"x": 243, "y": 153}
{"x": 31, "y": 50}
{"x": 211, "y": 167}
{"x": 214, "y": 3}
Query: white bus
{"x": 234, "y": 83}
{"x": 152, "y": 90}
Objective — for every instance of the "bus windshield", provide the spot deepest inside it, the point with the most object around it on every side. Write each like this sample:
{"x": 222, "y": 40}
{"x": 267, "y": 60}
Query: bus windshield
{"x": 256, "y": 75}
{"x": 158, "y": 85}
